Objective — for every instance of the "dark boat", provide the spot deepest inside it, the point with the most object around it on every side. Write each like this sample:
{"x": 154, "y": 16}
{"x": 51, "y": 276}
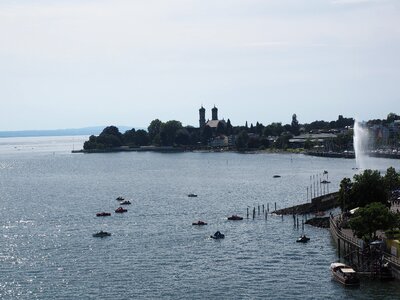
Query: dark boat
{"x": 125, "y": 202}
{"x": 218, "y": 235}
{"x": 235, "y": 218}
{"x": 345, "y": 274}
{"x": 103, "y": 214}
{"x": 120, "y": 210}
{"x": 199, "y": 223}
{"x": 303, "y": 239}
{"x": 325, "y": 182}
{"x": 101, "y": 234}
{"x": 276, "y": 176}
{"x": 120, "y": 198}
{"x": 192, "y": 195}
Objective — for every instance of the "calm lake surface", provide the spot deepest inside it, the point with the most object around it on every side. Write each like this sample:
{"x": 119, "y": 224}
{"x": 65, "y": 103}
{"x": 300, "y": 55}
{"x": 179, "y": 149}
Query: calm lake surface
{"x": 49, "y": 198}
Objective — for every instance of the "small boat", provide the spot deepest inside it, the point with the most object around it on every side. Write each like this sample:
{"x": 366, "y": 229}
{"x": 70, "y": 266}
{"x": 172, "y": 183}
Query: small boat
{"x": 303, "y": 239}
{"x": 344, "y": 274}
{"x": 218, "y": 235}
{"x": 101, "y": 234}
{"x": 120, "y": 198}
{"x": 276, "y": 176}
{"x": 192, "y": 195}
{"x": 103, "y": 214}
{"x": 325, "y": 182}
{"x": 235, "y": 218}
{"x": 125, "y": 202}
{"x": 199, "y": 223}
{"x": 120, "y": 210}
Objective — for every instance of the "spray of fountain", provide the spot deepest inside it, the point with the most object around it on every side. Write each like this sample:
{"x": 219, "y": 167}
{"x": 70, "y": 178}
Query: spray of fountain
{"x": 360, "y": 141}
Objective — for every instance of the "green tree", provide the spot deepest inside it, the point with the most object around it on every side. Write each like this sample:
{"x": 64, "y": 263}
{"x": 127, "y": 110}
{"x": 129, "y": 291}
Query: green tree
{"x": 391, "y": 179}
{"x": 367, "y": 220}
{"x": 128, "y": 137}
{"x": 229, "y": 128}
{"x": 295, "y": 127}
{"x": 91, "y": 143}
{"x": 344, "y": 193}
{"x": 153, "y": 130}
{"x": 168, "y": 132}
{"x": 182, "y": 137}
{"x": 242, "y": 140}
{"x": 206, "y": 134}
{"x": 368, "y": 187}
{"x": 141, "y": 138}
{"x": 274, "y": 129}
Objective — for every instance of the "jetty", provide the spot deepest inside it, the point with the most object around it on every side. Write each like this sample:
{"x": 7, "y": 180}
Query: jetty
{"x": 321, "y": 203}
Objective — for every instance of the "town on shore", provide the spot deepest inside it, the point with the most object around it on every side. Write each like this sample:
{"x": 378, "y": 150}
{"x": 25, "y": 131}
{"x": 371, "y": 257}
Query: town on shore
{"x": 322, "y": 138}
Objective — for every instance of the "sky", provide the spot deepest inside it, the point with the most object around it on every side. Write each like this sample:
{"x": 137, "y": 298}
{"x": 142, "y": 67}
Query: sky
{"x": 79, "y": 63}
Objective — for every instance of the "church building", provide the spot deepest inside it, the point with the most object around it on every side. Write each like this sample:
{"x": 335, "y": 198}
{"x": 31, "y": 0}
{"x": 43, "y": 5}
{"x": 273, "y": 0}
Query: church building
{"x": 214, "y": 122}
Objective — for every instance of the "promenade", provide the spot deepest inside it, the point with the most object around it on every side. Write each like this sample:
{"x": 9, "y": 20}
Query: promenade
{"x": 354, "y": 249}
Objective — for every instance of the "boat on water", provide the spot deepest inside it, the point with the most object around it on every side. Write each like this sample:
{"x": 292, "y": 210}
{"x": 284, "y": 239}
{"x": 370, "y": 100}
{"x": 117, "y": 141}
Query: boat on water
{"x": 200, "y": 223}
{"x": 345, "y": 274}
{"x": 192, "y": 195}
{"x": 235, "y": 218}
{"x": 101, "y": 234}
{"x": 103, "y": 214}
{"x": 218, "y": 235}
{"x": 303, "y": 239}
{"x": 120, "y": 198}
{"x": 276, "y": 176}
{"x": 325, "y": 182}
{"x": 120, "y": 210}
{"x": 125, "y": 202}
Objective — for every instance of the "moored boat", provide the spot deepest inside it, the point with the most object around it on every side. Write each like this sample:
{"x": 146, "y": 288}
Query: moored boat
{"x": 120, "y": 198}
{"x": 120, "y": 210}
{"x": 191, "y": 195}
{"x": 303, "y": 239}
{"x": 235, "y": 218}
{"x": 218, "y": 235}
{"x": 125, "y": 202}
{"x": 344, "y": 274}
{"x": 199, "y": 223}
{"x": 103, "y": 214}
{"x": 101, "y": 234}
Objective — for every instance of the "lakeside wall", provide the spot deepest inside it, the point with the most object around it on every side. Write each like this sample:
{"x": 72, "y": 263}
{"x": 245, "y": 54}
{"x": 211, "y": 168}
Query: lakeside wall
{"x": 321, "y": 203}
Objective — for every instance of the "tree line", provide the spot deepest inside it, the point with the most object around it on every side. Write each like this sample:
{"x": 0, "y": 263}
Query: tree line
{"x": 253, "y": 136}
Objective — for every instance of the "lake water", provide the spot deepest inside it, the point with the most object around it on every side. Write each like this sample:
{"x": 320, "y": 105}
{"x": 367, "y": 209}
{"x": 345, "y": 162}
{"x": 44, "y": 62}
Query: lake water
{"x": 49, "y": 198}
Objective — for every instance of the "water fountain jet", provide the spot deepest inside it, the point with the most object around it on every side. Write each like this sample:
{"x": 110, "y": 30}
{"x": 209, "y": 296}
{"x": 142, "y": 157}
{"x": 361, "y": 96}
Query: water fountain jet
{"x": 360, "y": 141}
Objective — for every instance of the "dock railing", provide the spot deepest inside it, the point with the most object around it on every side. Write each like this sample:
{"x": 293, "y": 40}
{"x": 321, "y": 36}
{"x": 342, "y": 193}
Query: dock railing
{"x": 358, "y": 242}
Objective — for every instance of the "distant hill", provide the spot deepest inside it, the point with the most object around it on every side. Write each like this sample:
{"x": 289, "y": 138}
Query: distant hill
{"x": 60, "y": 132}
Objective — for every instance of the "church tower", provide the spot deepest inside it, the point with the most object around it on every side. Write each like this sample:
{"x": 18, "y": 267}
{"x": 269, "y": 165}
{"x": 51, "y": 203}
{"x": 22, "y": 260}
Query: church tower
{"x": 214, "y": 113}
{"x": 202, "y": 113}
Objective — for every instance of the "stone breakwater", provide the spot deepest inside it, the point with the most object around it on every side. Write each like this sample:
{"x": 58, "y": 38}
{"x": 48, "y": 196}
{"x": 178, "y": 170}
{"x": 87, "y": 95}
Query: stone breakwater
{"x": 322, "y": 203}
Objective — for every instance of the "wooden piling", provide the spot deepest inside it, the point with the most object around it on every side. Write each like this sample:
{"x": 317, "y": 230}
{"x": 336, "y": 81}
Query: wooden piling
{"x": 247, "y": 213}
{"x": 254, "y": 213}
{"x": 275, "y": 206}
{"x": 263, "y": 208}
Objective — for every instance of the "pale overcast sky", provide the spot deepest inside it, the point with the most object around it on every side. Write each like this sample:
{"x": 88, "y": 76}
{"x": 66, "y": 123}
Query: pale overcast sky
{"x": 77, "y": 63}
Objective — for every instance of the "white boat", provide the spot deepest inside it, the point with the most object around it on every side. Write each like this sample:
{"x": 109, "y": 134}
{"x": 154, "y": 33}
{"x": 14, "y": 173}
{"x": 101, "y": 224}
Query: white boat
{"x": 344, "y": 274}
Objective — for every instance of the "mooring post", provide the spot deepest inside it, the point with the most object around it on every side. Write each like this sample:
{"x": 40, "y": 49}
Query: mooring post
{"x": 275, "y": 206}
{"x": 266, "y": 215}
{"x": 294, "y": 220}
{"x": 254, "y": 213}
{"x": 247, "y": 212}
{"x": 267, "y": 207}
{"x": 297, "y": 222}
{"x": 263, "y": 208}
{"x": 258, "y": 209}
